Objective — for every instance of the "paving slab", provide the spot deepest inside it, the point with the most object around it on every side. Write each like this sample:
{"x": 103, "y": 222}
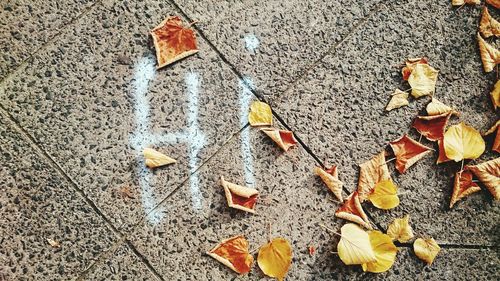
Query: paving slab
{"x": 36, "y": 204}
{"x": 293, "y": 200}
{"x": 93, "y": 100}
{"x": 26, "y": 25}
{"x": 123, "y": 265}
{"x": 274, "y": 41}
{"x": 338, "y": 110}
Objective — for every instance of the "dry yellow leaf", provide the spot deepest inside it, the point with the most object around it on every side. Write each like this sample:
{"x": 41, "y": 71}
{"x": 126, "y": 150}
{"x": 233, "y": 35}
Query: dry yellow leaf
{"x": 354, "y": 246}
{"x": 463, "y": 2}
{"x": 401, "y": 230}
{"x": 275, "y": 258}
{"x": 371, "y": 172}
{"x": 463, "y": 142}
{"x": 260, "y": 114}
{"x": 489, "y": 174}
{"x": 384, "y": 195}
{"x": 398, "y": 99}
{"x": 330, "y": 177}
{"x": 426, "y": 249}
{"x": 436, "y": 107}
{"x": 489, "y": 55}
{"x": 385, "y": 252}
{"x": 495, "y": 95}
{"x": 488, "y": 26}
{"x": 154, "y": 159}
{"x": 423, "y": 80}
{"x": 496, "y": 143}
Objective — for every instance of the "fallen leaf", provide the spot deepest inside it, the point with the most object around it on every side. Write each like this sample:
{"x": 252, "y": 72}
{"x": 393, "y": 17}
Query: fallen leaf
{"x": 423, "y": 80}
{"x": 494, "y": 3}
{"x": 312, "y": 250}
{"x": 330, "y": 177}
{"x": 407, "y": 152}
{"x": 426, "y": 249}
{"x": 372, "y": 172}
{"x": 496, "y": 143}
{"x": 463, "y": 142}
{"x": 398, "y": 99}
{"x": 463, "y": 2}
{"x": 275, "y": 258}
{"x": 385, "y": 252}
{"x": 385, "y": 195}
{"x": 53, "y": 243}
{"x": 489, "y": 55}
{"x": 400, "y": 229}
{"x": 488, "y": 26}
{"x": 240, "y": 197}
{"x": 125, "y": 191}
{"x": 154, "y": 159}
{"x": 463, "y": 186}
{"x": 495, "y": 95}
{"x": 282, "y": 138}
{"x": 442, "y": 154}
{"x": 489, "y": 174}
{"x": 432, "y": 127}
{"x": 410, "y": 65}
{"x": 354, "y": 246}
{"x": 233, "y": 253}
{"x": 260, "y": 114}
{"x": 435, "y": 107}
{"x": 173, "y": 41}
{"x": 351, "y": 210}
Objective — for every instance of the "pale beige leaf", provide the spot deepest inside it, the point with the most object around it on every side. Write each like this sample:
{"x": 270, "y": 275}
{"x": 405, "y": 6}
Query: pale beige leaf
{"x": 423, "y": 80}
{"x": 488, "y": 26}
{"x": 489, "y": 174}
{"x": 53, "y": 243}
{"x": 463, "y": 2}
{"x": 489, "y": 55}
{"x": 436, "y": 107}
{"x": 354, "y": 246}
{"x": 331, "y": 179}
{"x": 495, "y": 95}
{"x": 426, "y": 249}
{"x": 398, "y": 99}
{"x": 400, "y": 229}
{"x": 372, "y": 172}
{"x": 240, "y": 197}
{"x": 154, "y": 159}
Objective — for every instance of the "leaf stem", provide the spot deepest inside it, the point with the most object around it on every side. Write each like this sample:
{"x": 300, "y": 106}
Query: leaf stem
{"x": 329, "y": 229}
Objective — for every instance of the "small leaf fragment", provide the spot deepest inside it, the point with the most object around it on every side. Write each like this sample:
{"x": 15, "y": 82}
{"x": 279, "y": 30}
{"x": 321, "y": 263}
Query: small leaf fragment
{"x": 385, "y": 252}
{"x": 330, "y": 177}
{"x": 496, "y": 143}
{"x": 233, "y": 253}
{"x": 423, "y": 80}
{"x": 260, "y": 114}
{"x": 488, "y": 26}
{"x": 463, "y": 2}
{"x": 384, "y": 195}
{"x": 435, "y": 107}
{"x": 410, "y": 65}
{"x": 53, "y": 243}
{"x": 489, "y": 174}
{"x": 463, "y": 186}
{"x": 408, "y": 152}
{"x": 426, "y": 249}
{"x": 154, "y": 159}
{"x": 432, "y": 127}
{"x": 240, "y": 197}
{"x": 173, "y": 41}
{"x": 398, "y": 99}
{"x": 401, "y": 230}
{"x": 495, "y": 95}
{"x": 351, "y": 210}
{"x": 354, "y": 246}
{"x": 489, "y": 55}
{"x": 312, "y": 250}
{"x": 372, "y": 172}
{"x": 282, "y": 138}
{"x": 275, "y": 258}
{"x": 463, "y": 142}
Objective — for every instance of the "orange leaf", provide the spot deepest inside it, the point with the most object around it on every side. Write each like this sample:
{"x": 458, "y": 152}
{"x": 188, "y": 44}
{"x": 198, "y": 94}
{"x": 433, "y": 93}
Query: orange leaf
{"x": 488, "y": 26}
{"x": 233, "y": 253}
{"x": 282, "y": 138}
{"x": 312, "y": 250}
{"x": 410, "y": 65}
{"x": 330, "y": 177}
{"x": 489, "y": 55}
{"x": 463, "y": 186}
{"x": 173, "y": 41}
{"x": 432, "y": 127}
{"x": 407, "y": 152}
{"x": 489, "y": 174}
{"x": 494, "y": 3}
{"x": 496, "y": 143}
{"x": 352, "y": 211}
{"x": 240, "y": 197}
{"x": 372, "y": 172}
{"x": 442, "y": 154}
